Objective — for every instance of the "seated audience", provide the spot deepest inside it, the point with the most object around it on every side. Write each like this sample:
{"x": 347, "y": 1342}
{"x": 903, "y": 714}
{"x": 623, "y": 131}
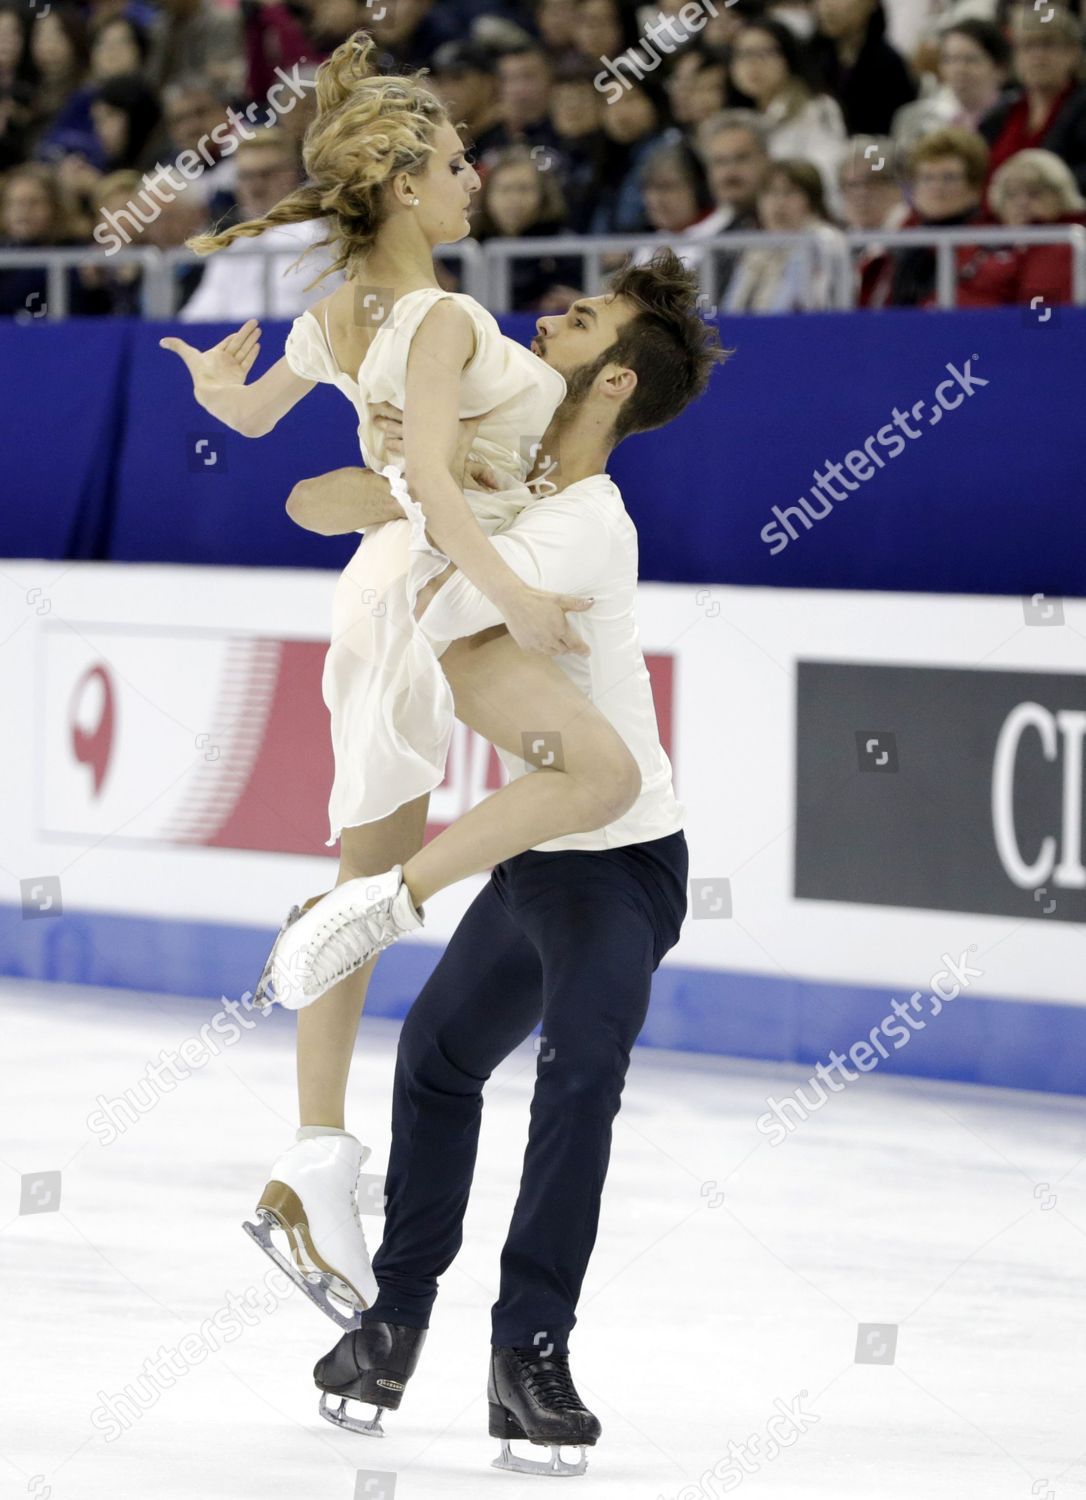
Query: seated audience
{"x": 16, "y": 88}
{"x": 678, "y": 202}
{"x": 583, "y": 148}
{"x": 35, "y": 213}
{"x": 768, "y": 69}
{"x": 554, "y": 23}
{"x": 232, "y": 286}
{"x": 869, "y": 188}
{"x": 859, "y": 68}
{"x": 734, "y": 149}
{"x": 633, "y": 125}
{"x": 973, "y": 61}
{"x": 465, "y": 79}
{"x": 192, "y": 110}
{"x": 522, "y": 199}
{"x": 198, "y": 37}
{"x": 697, "y": 86}
{"x": 525, "y": 74}
{"x": 1033, "y": 187}
{"x": 945, "y": 173}
{"x": 60, "y": 52}
{"x": 791, "y": 200}
{"x": 1048, "y": 110}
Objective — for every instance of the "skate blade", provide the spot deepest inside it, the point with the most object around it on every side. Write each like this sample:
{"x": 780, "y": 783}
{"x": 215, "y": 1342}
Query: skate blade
{"x": 557, "y": 1466}
{"x": 264, "y": 994}
{"x": 316, "y": 1289}
{"x": 339, "y": 1418}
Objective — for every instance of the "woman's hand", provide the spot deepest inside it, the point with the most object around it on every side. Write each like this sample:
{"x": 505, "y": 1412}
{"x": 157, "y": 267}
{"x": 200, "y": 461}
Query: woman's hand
{"x": 227, "y": 364}
{"x": 537, "y": 621}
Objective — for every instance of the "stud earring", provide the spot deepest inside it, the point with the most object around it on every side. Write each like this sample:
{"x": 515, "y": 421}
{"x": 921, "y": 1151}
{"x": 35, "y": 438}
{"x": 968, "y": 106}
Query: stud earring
{"x": 414, "y": 203}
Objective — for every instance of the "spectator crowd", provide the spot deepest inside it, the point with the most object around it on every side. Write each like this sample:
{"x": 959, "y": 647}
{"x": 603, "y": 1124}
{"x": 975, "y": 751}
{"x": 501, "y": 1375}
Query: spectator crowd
{"x": 142, "y": 122}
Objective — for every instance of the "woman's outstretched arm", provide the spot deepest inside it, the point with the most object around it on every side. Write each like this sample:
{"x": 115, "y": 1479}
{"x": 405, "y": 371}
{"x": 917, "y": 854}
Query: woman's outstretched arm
{"x": 219, "y": 375}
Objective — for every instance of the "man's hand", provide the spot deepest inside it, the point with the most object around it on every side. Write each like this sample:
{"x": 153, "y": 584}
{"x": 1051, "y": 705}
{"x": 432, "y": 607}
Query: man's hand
{"x": 469, "y": 474}
{"x": 351, "y": 499}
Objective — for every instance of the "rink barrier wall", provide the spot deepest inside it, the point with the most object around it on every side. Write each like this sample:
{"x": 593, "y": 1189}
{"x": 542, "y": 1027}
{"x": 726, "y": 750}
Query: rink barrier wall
{"x": 995, "y": 1042}
{"x": 880, "y": 790}
{"x": 127, "y": 467}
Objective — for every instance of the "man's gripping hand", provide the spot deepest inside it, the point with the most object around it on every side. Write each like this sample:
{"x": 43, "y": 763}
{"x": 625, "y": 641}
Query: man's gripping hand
{"x": 469, "y": 473}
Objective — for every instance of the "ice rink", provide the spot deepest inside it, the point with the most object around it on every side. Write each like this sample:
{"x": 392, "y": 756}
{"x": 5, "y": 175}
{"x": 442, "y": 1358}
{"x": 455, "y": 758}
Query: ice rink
{"x": 730, "y": 1282}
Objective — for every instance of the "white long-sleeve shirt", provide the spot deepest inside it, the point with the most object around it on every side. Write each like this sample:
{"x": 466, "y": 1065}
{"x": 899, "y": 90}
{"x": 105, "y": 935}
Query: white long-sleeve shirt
{"x": 581, "y": 541}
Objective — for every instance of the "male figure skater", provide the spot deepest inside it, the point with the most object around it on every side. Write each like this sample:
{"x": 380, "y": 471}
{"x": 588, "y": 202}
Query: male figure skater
{"x": 568, "y": 934}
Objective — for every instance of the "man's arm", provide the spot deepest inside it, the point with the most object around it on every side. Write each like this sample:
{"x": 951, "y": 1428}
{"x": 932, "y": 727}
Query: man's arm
{"x": 352, "y": 499}
{"x": 558, "y": 544}
{"x": 344, "y": 500}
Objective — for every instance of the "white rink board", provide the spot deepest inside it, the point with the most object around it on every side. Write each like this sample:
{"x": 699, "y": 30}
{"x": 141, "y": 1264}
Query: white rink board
{"x": 734, "y": 654}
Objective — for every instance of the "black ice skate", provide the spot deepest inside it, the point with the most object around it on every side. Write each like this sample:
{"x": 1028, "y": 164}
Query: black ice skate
{"x": 371, "y": 1364}
{"x": 532, "y": 1396}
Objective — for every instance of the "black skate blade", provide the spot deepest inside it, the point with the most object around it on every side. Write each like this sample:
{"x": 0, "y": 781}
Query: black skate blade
{"x": 316, "y": 1291}
{"x": 556, "y": 1467}
{"x": 339, "y": 1417}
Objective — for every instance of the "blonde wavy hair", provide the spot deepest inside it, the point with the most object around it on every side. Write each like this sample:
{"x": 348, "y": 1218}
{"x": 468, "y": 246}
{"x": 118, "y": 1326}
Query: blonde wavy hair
{"x": 1038, "y": 169}
{"x": 368, "y": 127}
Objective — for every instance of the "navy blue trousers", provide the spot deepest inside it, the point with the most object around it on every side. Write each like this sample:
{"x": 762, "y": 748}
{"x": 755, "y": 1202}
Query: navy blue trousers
{"x": 571, "y": 940}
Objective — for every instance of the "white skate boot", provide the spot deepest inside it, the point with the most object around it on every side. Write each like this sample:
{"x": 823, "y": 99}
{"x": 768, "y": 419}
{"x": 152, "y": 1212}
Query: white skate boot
{"x": 313, "y": 1197}
{"x": 321, "y": 945}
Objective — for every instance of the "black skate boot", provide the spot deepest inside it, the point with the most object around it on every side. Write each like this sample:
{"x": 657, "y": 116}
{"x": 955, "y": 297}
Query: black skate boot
{"x": 373, "y": 1363}
{"x": 533, "y": 1396}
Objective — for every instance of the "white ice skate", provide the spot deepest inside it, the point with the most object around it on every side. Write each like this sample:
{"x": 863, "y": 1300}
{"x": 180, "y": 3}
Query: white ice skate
{"x": 319, "y": 946}
{"x": 313, "y": 1197}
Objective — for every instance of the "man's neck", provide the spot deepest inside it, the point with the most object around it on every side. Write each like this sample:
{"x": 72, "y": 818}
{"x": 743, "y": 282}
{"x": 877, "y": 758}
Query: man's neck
{"x": 574, "y": 449}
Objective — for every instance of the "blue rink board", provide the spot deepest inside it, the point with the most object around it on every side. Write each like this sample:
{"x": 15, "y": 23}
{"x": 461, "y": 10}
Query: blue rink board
{"x": 125, "y": 466}
{"x": 1012, "y": 1043}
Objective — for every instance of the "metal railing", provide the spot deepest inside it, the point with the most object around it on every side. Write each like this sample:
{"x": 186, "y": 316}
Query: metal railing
{"x": 946, "y": 241}
{"x": 159, "y": 285}
{"x": 832, "y": 249}
{"x": 500, "y": 255}
{"x": 486, "y": 271}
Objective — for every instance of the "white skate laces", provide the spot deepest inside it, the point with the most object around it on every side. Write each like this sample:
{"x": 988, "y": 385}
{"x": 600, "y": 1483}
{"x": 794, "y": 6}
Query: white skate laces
{"x": 336, "y": 936}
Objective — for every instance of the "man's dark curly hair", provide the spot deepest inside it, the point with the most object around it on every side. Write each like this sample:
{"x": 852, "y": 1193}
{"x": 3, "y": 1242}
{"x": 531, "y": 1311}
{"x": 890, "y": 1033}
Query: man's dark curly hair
{"x": 667, "y": 344}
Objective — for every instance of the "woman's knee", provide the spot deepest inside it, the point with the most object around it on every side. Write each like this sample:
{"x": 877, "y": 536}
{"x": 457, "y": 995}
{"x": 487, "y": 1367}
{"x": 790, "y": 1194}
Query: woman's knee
{"x": 612, "y": 777}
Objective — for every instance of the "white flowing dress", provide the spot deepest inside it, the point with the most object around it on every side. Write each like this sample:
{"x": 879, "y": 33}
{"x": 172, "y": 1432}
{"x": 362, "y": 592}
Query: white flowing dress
{"x": 391, "y": 708}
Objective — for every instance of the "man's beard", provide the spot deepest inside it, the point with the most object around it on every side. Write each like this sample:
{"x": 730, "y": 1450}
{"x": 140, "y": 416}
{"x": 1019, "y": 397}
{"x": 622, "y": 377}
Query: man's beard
{"x": 578, "y": 385}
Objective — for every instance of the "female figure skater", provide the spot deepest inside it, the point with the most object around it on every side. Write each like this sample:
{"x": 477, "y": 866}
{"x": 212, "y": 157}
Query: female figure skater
{"x": 387, "y": 169}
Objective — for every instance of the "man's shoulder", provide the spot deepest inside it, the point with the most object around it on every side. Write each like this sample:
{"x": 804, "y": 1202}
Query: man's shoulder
{"x": 599, "y": 489}
{"x": 598, "y": 497}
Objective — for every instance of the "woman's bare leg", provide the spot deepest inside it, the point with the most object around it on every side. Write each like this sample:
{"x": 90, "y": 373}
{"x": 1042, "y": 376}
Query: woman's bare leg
{"x": 505, "y": 693}
{"x": 327, "y": 1028}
